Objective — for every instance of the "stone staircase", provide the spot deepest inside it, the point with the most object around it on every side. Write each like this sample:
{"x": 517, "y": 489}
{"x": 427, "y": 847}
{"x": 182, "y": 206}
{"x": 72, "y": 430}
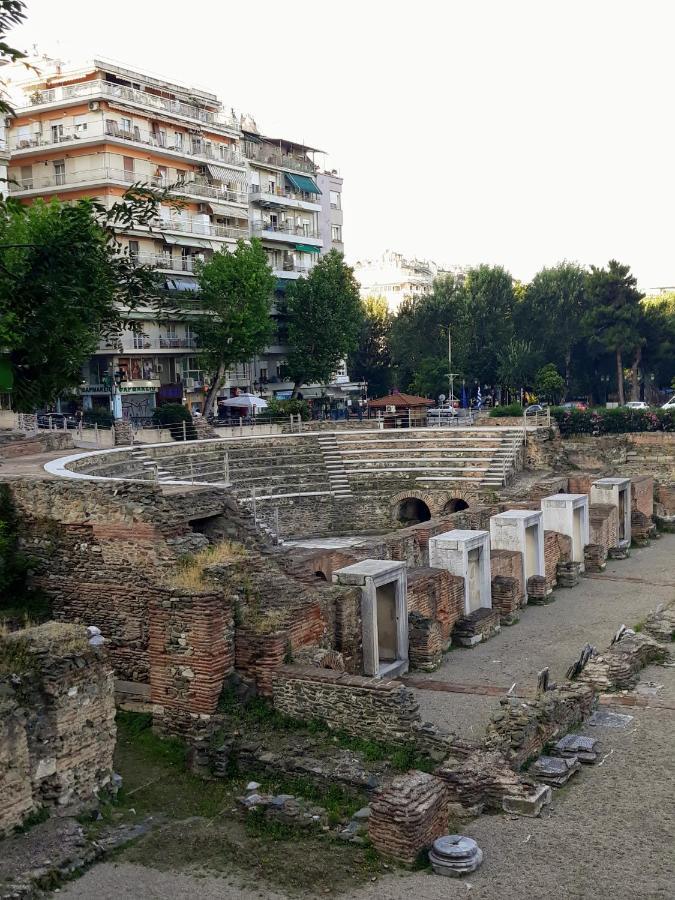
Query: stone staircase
{"x": 334, "y": 463}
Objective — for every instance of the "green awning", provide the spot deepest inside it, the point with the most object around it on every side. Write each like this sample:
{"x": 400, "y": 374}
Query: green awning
{"x": 183, "y": 241}
{"x": 303, "y": 183}
{"x": 305, "y": 248}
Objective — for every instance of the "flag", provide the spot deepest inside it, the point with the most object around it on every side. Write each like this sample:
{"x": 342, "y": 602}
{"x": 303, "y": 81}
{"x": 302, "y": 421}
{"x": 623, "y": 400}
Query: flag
{"x": 479, "y": 399}
{"x": 465, "y": 401}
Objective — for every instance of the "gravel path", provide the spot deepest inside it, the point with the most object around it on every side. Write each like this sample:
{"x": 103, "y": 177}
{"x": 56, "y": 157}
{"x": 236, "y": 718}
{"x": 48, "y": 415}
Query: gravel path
{"x": 551, "y": 635}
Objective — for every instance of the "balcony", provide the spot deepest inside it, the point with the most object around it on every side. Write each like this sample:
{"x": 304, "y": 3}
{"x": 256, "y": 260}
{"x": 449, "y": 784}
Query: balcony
{"x": 291, "y": 273}
{"x": 282, "y": 197}
{"x": 130, "y": 345}
{"x": 206, "y": 229}
{"x": 96, "y": 131}
{"x": 165, "y": 261}
{"x": 294, "y": 234}
{"x": 267, "y": 154}
{"x": 198, "y": 187}
{"x": 66, "y": 94}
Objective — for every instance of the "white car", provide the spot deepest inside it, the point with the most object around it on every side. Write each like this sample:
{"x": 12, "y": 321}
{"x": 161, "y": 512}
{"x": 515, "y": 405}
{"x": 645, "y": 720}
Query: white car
{"x": 670, "y": 403}
{"x": 637, "y": 404}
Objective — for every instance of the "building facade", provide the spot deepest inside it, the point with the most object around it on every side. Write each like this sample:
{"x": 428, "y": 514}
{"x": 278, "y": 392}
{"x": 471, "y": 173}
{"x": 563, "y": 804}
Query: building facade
{"x": 96, "y": 130}
{"x": 395, "y": 277}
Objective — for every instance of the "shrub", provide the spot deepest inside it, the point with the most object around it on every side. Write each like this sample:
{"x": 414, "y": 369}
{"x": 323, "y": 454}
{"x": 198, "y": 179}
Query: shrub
{"x": 513, "y": 409}
{"x": 173, "y": 415}
{"x": 613, "y": 421}
{"x": 285, "y": 408}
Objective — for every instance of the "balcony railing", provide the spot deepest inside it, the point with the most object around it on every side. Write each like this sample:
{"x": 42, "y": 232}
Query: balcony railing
{"x": 209, "y": 229}
{"x": 265, "y": 195}
{"x": 298, "y": 231}
{"x": 100, "y": 88}
{"x": 68, "y": 134}
{"x": 198, "y": 187}
{"x": 164, "y": 261}
{"x": 266, "y": 154}
{"x": 132, "y": 345}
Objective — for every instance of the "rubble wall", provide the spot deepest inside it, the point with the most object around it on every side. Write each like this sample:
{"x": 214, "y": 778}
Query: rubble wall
{"x": 557, "y": 549}
{"x": 603, "y": 521}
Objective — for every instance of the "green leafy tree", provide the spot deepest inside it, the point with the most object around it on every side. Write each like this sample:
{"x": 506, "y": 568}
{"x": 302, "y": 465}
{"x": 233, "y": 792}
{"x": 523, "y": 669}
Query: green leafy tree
{"x": 236, "y": 291}
{"x": 549, "y": 311}
{"x": 324, "y": 320}
{"x": 658, "y": 330}
{"x": 550, "y": 383}
{"x": 371, "y": 360}
{"x": 419, "y": 338}
{"x": 64, "y": 284}
{"x": 613, "y": 318}
{"x": 490, "y": 303}
{"x": 517, "y": 363}
{"x": 12, "y": 12}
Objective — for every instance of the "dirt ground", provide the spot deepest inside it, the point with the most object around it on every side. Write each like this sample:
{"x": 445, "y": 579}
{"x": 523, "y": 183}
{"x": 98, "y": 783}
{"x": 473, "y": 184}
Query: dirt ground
{"x": 609, "y": 835}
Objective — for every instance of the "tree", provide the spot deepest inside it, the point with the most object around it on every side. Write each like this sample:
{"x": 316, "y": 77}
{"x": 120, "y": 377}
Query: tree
{"x": 550, "y": 383}
{"x": 371, "y": 360}
{"x": 658, "y": 330}
{"x": 490, "y": 305}
{"x": 64, "y": 284}
{"x": 612, "y": 320}
{"x": 12, "y": 12}
{"x": 549, "y": 312}
{"x": 236, "y": 291}
{"x": 517, "y": 364}
{"x": 324, "y": 319}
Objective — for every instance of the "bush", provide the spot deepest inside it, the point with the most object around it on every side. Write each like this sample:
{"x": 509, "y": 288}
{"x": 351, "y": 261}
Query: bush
{"x": 286, "y": 408}
{"x": 172, "y": 415}
{"x": 101, "y": 417}
{"x": 613, "y": 421}
{"x": 500, "y": 412}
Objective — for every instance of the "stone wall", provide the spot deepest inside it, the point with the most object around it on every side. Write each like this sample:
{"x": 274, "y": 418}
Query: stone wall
{"x": 642, "y": 494}
{"x": 366, "y": 707}
{"x": 522, "y": 727}
{"x": 57, "y": 721}
{"x": 664, "y": 507}
{"x": 437, "y": 595}
{"x": 617, "y": 668}
{"x": 625, "y": 454}
{"x": 508, "y": 564}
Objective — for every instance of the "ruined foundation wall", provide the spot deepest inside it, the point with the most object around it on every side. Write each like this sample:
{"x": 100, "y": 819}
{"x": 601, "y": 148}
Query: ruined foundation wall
{"x": 603, "y": 525}
{"x": 557, "y": 549}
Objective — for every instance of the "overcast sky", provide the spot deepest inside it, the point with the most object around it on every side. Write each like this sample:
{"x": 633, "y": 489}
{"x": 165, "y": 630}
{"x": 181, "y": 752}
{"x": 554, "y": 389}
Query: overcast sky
{"x": 518, "y": 132}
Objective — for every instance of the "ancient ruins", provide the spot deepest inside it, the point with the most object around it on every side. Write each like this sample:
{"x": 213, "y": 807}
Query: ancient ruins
{"x": 317, "y": 570}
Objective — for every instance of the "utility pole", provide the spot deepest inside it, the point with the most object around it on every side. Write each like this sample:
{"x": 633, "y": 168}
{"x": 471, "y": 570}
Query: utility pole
{"x": 451, "y": 374}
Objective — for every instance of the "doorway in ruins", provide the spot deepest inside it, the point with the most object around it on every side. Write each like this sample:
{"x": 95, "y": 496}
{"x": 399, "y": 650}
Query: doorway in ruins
{"x": 412, "y": 511}
{"x": 473, "y": 581}
{"x": 531, "y": 551}
{"x": 387, "y": 631}
{"x": 622, "y": 513}
{"x": 577, "y": 535}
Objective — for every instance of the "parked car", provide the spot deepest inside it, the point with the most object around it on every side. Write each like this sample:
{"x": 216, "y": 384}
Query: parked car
{"x": 574, "y": 404}
{"x": 441, "y": 414}
{"x": 534, "y": 408}
{"x": 670, "y": 403}
{"x": 637, "y": 404}
{"x": 56, "y": 420}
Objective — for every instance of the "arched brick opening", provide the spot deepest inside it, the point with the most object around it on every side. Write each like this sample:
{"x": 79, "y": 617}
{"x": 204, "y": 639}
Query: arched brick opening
{"x": 455, "y": 504}
{"x": 412, "y": 511}
{"x": 321, "y": 575}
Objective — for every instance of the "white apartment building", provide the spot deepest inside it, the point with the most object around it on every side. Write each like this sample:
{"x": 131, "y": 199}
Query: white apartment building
{"x": 95, "y": 130}
{"x": 395, "y": 277}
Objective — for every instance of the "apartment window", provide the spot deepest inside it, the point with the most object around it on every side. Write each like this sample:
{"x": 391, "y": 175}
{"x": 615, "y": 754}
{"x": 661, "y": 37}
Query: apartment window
{"x": 60, "y": 172}
{"x": 336, "y": 232}
{"x": 27, "y": 177}
{"x": 140, "y": 338}
{"x": 80, "y": 124}
{"x": 23, "y": 137}
{"x": 223, "y": 150}
{"x": 56, "y": 130}
{"x": 197, "y": 145}
{"x": 180, "y": 175}
{"x": 162, "y": 173}
{"x": 128, "y": 168}
{"x": 186, "y": 260}
{"x": 133, "y": 250}
{"x": 335, "y": 200}
{"x": 125, "y": 124}
{"x": 178, "y": 140}
{"x": 111, "y": 126}
{"x": 271, "y": 185}
{"x": 171, "y": 329}
{"x": 208, "y": 149}
{"x": 263, "y": 375}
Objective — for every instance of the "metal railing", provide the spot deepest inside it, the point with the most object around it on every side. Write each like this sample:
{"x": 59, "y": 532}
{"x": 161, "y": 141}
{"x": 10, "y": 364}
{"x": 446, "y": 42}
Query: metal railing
{"x": 209, "y": 229}
{"x": 185, "y": 145}
{"x": 174, "y": 108}
{"x": 267, "y": 154}
{"x": 283, "y": 228}
{"x": 259, "y": 192}
{"x": 197, "y": 186}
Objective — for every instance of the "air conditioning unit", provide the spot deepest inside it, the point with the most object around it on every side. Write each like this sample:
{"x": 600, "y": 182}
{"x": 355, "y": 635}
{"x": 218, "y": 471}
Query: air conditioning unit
{"x": 189, "y": 384}
{"x": 391, "y": 409}
{"x": 94, "y": 105}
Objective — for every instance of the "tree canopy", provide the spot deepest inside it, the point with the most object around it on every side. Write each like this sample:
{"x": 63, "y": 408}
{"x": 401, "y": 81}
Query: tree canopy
{"x": 324, "y": 319}
{"x": 236, "y": 291}
{"x": 371, "y": 360}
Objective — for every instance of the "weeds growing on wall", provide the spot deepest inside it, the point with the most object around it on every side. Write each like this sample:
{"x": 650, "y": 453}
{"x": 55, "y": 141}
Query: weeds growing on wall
{"x": 19, "y": 606}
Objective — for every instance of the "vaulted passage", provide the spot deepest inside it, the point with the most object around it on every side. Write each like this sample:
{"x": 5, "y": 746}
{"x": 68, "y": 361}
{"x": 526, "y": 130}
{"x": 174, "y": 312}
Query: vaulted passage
{"x": 412, "y": 510}
{"x": 455, "y": 505}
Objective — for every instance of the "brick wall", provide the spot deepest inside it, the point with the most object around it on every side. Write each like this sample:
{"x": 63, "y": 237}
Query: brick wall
{"x": 603, "y": 521}
{"x": 509, "y": 564}
{"x": 642, "y": 494}
{"x": 557, "y": 549}
{"x": 665, "y": 500}
{"x": 437, "y": 595}
{"x": 191, "y": 650}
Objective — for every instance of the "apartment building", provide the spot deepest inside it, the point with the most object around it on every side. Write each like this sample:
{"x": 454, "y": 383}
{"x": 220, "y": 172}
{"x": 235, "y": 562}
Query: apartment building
{"x": 330, "y": 217}
{"x": 395, "y": 277}
{"x": 96, "y": 130}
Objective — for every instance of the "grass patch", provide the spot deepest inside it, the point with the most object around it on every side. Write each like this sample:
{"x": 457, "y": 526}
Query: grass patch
{"x": 190, "y": 574}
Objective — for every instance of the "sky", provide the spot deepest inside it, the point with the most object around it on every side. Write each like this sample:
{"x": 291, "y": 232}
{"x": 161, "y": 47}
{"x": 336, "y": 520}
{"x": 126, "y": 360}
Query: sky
{"x": 511, "y": 132}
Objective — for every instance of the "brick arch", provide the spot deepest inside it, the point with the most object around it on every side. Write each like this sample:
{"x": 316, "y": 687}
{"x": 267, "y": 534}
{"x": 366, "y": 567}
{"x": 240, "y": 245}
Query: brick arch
{"x": 422, "y": 497}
